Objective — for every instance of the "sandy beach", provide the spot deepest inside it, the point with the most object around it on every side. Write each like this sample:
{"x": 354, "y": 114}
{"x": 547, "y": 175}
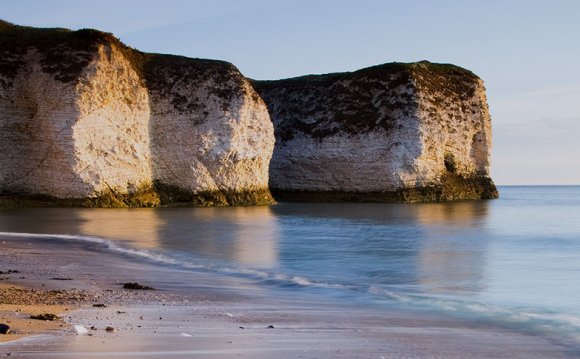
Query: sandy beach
{"x": 213, "y": 318}
{"x": 24, "y": 305}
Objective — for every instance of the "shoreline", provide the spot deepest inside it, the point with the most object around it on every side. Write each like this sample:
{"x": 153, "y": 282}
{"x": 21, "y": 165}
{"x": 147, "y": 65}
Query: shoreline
{"x": 219, "y": 317}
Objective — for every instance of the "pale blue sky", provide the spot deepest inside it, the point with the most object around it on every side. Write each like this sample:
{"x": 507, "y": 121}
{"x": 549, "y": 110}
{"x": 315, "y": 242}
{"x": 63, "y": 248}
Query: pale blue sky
{"x": 527, "y": 52}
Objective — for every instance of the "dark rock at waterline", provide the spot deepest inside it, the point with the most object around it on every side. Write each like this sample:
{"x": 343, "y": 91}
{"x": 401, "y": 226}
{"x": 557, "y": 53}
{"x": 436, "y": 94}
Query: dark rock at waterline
{"x": 10, "y": 271}
{"x": 99, "y": 305}
{"x": 45, "y": 316}
{"x": 137, "y": 286}
{"x": 270, "y": 327}
{"x": 4, "y": 329}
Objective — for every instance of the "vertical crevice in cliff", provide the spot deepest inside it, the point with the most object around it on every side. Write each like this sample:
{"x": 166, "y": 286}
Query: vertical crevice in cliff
{"x": 480, "y": 153}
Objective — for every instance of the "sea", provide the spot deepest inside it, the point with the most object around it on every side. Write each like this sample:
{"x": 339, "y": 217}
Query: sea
{"x": 513, "y": 262}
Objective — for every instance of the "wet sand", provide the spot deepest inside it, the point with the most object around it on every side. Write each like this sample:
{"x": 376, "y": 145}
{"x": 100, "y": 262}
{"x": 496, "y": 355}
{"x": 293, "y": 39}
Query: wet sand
{"x": 213, "y": 316}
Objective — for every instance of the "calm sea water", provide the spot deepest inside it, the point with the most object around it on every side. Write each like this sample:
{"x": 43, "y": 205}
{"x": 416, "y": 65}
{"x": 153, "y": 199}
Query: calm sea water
{"x": 513, "y": 262}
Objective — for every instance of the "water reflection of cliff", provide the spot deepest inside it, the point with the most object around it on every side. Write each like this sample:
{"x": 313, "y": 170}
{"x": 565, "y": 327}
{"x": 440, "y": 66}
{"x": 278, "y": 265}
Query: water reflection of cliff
{"x": 40, "y": 221}
{"x": 138, "y": 226}
{"x": 246, "y": 235}
{"x": 461, "y": 214}
{"x": 439, "y": 248}
{"x": 453, "y": 250}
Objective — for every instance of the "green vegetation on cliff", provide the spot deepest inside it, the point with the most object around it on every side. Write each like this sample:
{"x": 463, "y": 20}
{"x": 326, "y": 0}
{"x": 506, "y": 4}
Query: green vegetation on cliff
{"x": 360, "y": 101}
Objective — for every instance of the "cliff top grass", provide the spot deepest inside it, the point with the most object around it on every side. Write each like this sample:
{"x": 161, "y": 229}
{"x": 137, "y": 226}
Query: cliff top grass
{"x": 379, "y": 71}
{"x": 16, "y": 37}
{"x": 360, "y": 101}
{"x": 66, "y": 53}
{"x": 431, "y": 77}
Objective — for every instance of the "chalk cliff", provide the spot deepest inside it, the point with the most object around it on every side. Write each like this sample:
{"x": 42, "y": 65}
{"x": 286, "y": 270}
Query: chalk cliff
{"x": 86, "y": 120}
{"x": 394, "y": 132}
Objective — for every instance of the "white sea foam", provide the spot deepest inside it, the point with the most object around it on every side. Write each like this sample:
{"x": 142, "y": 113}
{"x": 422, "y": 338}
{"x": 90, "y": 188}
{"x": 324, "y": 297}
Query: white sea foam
{"x": 165, "y": 259}
{"x": 532, "y": 319}
{"x": 157, "y": 257}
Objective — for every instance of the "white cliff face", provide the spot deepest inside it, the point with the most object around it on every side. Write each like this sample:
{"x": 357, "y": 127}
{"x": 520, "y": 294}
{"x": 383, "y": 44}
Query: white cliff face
{"x": 369, "y": 162}
{"x": 84, "y": 117}
{"x": 76, "y": 139}
{"x": 416, "y": 132}
{"x": 455, "y": 130}
{"x": 218, "y": 138}
{"x": 98, "y": 119}
{"x": 111, "y": 133}
{"x": 37, "y": 114}
{"x": 336, "y": 135}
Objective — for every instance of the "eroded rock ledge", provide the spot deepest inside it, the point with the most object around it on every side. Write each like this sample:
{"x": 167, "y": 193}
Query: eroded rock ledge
{"x": 85, "y": 120}
{"x": 396, "y": 132}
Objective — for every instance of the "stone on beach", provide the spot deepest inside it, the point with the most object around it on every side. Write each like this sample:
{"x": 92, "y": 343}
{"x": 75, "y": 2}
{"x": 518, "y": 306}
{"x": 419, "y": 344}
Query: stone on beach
{"x": 10, "y": 271}
{"x": 138, "y": 286}
{"x": 45, "y": 316}
{"x": 4, "y": 329}
{"x": 79, "y": 330}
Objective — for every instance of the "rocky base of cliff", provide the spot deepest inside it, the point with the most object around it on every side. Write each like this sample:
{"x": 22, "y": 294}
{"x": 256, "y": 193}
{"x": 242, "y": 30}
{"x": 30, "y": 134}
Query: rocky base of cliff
{"x": 154, "y": 196}
{"x": 451, "y": 188}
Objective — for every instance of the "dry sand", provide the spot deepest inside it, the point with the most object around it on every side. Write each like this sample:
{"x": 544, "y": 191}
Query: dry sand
{"x": 18, "y": 304}
{"x": 212, "y": 319}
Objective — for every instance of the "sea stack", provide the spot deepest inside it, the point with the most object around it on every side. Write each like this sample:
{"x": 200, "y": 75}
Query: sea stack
{"x": 418, "y": 132}
{"x": 86, "y": 120}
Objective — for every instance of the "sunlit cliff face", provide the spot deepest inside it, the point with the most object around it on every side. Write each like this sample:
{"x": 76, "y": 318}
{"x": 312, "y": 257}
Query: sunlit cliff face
{"x": 85, "y": 117}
